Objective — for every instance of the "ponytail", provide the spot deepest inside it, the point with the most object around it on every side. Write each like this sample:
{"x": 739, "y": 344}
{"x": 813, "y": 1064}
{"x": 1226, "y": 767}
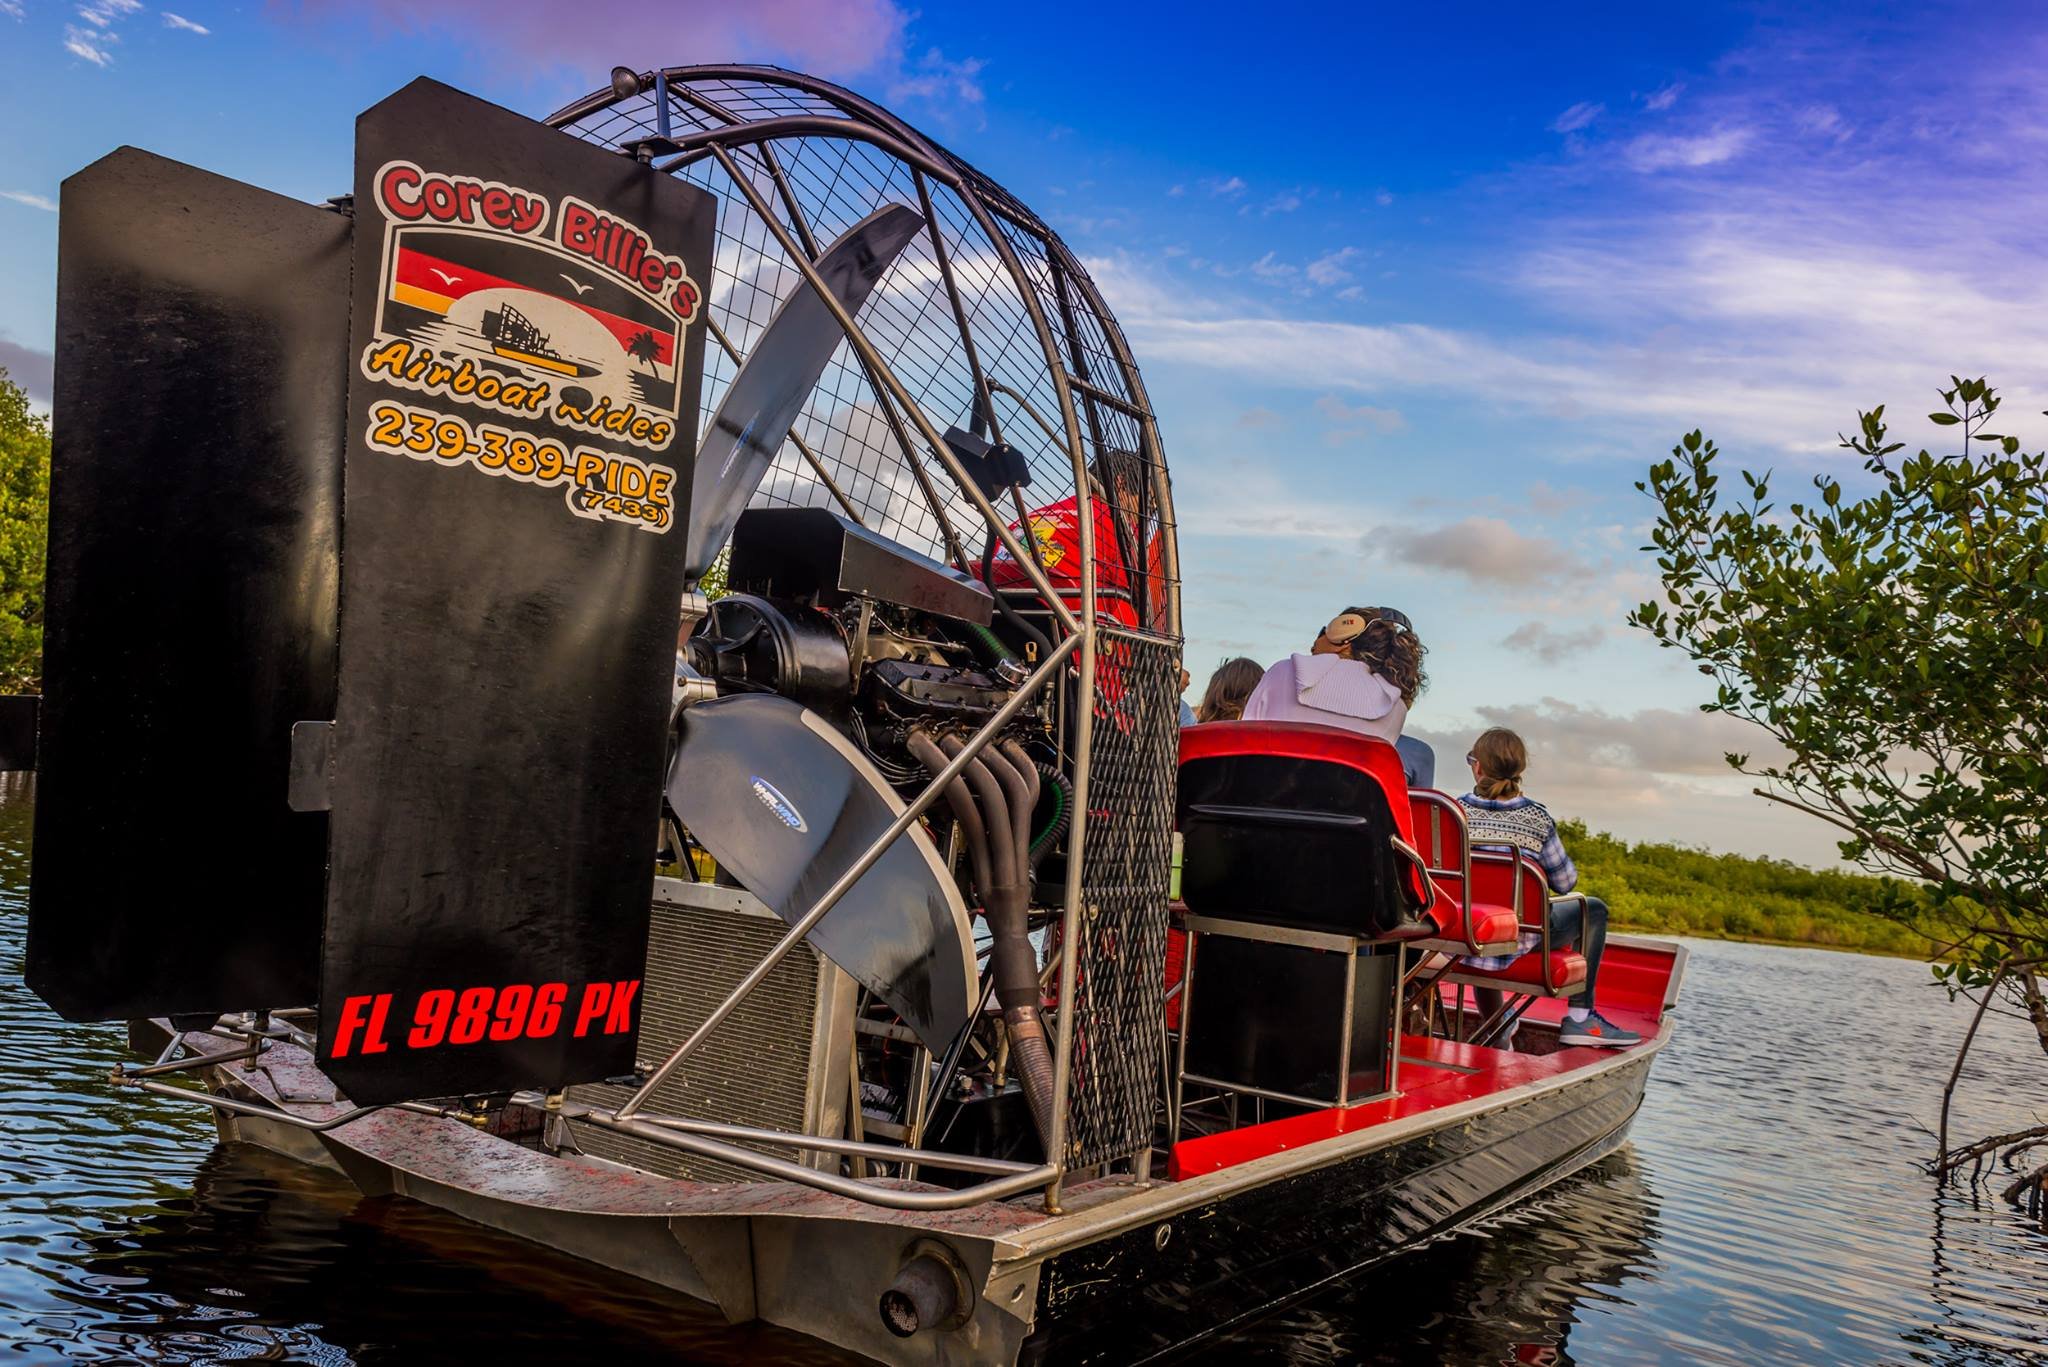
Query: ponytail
{"x": 1501, "y": 757}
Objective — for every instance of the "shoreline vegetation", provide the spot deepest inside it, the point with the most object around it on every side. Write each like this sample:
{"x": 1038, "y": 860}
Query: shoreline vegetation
{"x": 1677, "y": 890}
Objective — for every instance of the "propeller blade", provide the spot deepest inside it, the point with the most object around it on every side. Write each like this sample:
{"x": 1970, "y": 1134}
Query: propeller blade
{"x": 768, "y": 393}
{"x": 785, "y": 803}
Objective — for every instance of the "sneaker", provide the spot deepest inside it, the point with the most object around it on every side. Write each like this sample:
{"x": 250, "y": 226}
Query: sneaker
{"x": 1597, "y": 1032}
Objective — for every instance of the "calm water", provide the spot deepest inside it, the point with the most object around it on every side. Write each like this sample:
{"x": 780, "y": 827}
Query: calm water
{"x": 1769, "y": 1210}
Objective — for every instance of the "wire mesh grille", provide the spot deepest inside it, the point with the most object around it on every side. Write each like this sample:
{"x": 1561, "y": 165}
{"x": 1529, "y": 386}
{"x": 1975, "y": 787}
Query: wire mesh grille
{"x": 1120, "y": 967}
{"x": 990, "y": 324}
{"x": 949, "y": 316}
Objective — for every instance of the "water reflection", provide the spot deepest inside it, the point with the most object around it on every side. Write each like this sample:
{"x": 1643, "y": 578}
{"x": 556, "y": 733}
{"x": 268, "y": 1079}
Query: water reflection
{"x": 1770, "y": 1210}
{"x": 1511, "y": 1292}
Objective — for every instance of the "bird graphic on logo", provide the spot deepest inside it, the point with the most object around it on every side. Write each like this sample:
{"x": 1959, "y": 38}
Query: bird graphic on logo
{"x": 446, "y": 278}
{"x": 575, "y": 284}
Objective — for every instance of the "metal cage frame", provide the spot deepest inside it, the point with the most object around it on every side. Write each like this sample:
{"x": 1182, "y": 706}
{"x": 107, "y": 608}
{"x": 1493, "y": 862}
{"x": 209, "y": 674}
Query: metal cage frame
{"x": 752, "y": 135}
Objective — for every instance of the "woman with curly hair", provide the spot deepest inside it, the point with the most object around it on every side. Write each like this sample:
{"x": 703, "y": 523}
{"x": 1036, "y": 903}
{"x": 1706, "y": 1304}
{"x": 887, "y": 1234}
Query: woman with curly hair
{"x": 1362, "y": 674}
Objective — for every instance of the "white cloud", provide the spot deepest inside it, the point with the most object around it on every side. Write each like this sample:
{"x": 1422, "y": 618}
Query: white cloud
{"x": 1577, "y": 117}
{"x": 103, "y": 13}
{"x": 12, "y": 9}
{"x": 936, "y": 79}
{"x": 1271, "y": 267}
{"x": 1658, "y": 152}
{"x": 88, "y": 44}
{"x": 179, "y": 21}
{"x": 43, "y": 202}
{"x": 1330, "y": 268}
{"x": 1659, "y": 100}
{"x": 1382, "y": 198}
{"x": 1228, "y": 188}
{"x": 1285, "y": 203}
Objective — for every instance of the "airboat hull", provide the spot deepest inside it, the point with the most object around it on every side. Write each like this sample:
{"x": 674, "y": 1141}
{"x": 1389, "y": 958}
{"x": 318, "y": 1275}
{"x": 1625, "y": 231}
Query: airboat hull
{"x": 1128, "y": 1271}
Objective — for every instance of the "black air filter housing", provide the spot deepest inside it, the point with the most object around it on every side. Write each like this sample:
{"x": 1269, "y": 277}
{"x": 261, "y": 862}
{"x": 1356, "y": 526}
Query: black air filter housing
{"x": 816, "y": 554}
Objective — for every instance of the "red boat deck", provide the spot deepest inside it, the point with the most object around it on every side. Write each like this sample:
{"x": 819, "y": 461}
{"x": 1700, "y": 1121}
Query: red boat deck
{"x": 1635, "y": 982}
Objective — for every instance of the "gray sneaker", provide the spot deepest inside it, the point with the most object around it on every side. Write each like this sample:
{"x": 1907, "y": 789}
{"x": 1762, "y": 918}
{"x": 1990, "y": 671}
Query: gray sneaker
{"x": 1597, "y": 1032}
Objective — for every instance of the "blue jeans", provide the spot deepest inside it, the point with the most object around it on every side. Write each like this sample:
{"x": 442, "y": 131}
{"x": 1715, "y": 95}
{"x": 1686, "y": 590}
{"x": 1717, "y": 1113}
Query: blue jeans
{"x": 1582, "y": 922}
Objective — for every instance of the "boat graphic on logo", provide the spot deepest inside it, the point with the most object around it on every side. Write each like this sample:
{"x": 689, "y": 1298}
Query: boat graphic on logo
{"x": 526, "y": 306}
{"x": 785, "y": 810}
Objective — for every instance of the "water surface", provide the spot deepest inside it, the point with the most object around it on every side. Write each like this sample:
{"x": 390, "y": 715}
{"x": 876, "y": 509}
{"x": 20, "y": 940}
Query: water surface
{"x": 1769, "y": 1210}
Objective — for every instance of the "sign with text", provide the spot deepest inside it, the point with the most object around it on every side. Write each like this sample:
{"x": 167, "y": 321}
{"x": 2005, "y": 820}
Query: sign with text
{"x": 526, "y": 353}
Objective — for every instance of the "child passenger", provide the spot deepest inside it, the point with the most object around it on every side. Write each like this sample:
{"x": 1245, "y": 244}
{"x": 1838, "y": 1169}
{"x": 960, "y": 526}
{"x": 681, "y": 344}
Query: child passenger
{"x": 1500, "y": 816}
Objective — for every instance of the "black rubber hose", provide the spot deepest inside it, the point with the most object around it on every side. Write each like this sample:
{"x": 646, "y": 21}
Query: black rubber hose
{"x": 1012, "y": 960}
{"x": 1010, "y": 614}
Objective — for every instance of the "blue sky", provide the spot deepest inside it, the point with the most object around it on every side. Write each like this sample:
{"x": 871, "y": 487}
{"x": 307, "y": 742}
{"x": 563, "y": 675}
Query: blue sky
{"x": 1418, "y": 291}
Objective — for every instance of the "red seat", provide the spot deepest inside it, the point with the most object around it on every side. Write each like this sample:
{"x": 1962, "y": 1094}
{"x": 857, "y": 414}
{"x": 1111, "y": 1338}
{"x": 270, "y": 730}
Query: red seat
{"x": 1484, "y": 929}
{"x": 1515, "y": 882}
{"x": 1566, "y": 974}
{"x": 1486, "y": 926}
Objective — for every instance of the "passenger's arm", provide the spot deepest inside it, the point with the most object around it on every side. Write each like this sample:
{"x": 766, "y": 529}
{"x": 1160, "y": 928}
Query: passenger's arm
{"x": 1558, "y": 869}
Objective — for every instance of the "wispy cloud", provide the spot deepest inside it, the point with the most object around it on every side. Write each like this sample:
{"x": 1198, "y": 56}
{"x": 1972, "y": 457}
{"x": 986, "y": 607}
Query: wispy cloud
{"x": 1658, "y": 152}
{"x": 179, "y": 21}
{"x": 43, "y": 202}
{"x": 1230, "y": 187}
{"x": 1657, "y": 101}
{"x": 1552, "y": 644}
{"x": 90, "y": 44}
{"x": 1332, "y": 268}
{"x": 1578, "y": 117}
{"x": 12, "y": 9}
{"x": 105, "y": 13}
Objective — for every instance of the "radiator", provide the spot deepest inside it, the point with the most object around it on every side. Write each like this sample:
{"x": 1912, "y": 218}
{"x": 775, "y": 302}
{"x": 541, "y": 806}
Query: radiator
{"x": 780, "y": 1061}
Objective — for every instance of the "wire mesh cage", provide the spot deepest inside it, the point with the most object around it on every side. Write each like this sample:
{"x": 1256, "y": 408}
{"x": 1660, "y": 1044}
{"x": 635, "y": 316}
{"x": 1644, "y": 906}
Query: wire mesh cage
{"x": 988, "y": 323}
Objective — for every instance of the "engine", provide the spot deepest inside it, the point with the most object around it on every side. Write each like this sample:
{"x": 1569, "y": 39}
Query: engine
{"x": 904, "y": 658}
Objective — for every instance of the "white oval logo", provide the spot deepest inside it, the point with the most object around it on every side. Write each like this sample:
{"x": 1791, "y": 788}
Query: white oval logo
{"x": 785, "y": 810}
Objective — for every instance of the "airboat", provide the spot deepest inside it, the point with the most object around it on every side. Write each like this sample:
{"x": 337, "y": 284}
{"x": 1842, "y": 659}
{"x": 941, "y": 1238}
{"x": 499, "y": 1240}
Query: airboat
{"x": 864, "y": 948}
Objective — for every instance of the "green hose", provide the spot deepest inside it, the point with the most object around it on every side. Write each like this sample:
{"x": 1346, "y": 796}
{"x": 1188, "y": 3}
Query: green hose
{"x": 993, "y": 641}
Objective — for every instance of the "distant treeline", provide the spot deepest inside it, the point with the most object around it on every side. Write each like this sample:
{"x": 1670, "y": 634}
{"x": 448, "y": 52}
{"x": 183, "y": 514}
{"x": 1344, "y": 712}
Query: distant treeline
{"x": 1681, "y": 891}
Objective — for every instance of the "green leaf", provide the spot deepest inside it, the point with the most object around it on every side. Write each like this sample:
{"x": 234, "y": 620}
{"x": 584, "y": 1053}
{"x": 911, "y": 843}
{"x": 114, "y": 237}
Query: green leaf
{"x": 1943, "y": 419}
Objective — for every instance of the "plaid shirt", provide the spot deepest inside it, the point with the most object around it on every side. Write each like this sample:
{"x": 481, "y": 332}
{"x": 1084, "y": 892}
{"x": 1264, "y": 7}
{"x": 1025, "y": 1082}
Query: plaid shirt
{"x": 1519, "y": 823}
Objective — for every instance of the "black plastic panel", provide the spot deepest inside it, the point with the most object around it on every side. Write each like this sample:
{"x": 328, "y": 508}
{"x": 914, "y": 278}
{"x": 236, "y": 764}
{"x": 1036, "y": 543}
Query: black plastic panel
{"x": 1284, "y": 841}
{"x": 18, "y": 720}
{"x": 815, "y": 552}
{"x": 509, "y": 597}
{"x": 195, "y": 478}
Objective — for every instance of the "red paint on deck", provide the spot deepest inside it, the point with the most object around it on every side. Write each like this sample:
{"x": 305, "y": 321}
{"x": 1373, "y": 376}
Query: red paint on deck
{"x": 1436, "y": 1073}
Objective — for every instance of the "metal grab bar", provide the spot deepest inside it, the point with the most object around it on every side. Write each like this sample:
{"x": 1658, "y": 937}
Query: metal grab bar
{"x": 890, "y": 1198}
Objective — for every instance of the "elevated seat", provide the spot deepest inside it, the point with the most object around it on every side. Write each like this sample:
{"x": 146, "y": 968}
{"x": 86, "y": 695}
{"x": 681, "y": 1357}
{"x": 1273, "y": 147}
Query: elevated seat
{"x": 1561, "y": 973}
{"x": 1288, "y": 824}
{"x": 1464, "y": 925}
{"x": 1516, "y": 880}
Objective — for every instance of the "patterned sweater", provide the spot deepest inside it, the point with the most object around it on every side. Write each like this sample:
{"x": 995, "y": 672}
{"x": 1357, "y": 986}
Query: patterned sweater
{"x": 1519, "y": 823}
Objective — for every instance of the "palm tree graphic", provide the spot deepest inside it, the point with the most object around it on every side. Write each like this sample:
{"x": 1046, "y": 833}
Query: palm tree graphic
{"x": 642, "y": 348}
